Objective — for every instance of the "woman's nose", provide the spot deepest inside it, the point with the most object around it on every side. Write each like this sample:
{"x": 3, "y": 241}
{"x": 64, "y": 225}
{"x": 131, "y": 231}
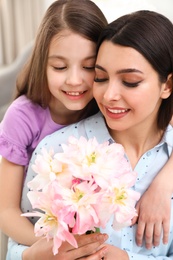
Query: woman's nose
{"x": 112, "y": 92}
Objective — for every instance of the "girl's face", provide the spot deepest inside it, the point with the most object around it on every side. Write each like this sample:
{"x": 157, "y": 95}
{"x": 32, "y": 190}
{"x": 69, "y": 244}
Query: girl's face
{"x": 70, "y": 70}
{"x": 127, "y": 88}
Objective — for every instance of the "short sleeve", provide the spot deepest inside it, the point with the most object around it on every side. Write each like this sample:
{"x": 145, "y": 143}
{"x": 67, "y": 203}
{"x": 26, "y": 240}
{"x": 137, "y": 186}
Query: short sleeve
{"x": 24, "y": 125}
{"x": 15, "y": 135}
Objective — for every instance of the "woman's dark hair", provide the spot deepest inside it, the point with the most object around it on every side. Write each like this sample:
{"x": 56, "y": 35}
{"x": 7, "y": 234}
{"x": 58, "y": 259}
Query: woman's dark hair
{"x": 151, "y": 34}
{"x": 83, "y": 17}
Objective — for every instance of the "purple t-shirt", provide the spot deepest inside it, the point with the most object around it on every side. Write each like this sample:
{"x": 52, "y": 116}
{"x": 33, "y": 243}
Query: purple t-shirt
{"x": 24, "y": 125}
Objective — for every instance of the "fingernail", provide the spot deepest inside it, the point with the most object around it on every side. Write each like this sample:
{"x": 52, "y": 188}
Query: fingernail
{"x": 104, "y": 252}
{"x": 105, "y": 237}
{"x": 100, "y": 236}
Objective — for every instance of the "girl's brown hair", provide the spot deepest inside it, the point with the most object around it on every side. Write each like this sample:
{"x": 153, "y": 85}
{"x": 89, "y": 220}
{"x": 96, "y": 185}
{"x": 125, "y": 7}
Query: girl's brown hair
{"x": 82, "y": 17}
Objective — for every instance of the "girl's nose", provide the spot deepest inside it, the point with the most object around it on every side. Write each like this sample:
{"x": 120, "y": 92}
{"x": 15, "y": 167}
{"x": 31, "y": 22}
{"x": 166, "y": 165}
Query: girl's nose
{"x": 74, "y": 77}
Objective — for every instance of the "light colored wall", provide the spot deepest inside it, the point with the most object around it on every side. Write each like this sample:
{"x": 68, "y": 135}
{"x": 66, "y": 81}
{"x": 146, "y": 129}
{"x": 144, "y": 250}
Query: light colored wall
{"x": 115, "y": 8}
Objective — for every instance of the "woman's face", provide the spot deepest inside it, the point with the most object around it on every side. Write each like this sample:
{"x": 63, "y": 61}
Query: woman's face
{"x": 127, "y": 88}
{"x": 70, "y": 70}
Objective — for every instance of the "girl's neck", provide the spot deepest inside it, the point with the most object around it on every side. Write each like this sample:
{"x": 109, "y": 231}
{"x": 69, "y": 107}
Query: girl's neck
{"x": 63, "y": 116}
{"x": 66, "y": 117}
{"x": 136, "y": 142}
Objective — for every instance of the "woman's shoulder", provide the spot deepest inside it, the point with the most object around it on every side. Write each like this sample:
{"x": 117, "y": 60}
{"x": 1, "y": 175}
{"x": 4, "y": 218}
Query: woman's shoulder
{"x": 88, "y": 128}
{"x": 81, "y": 127}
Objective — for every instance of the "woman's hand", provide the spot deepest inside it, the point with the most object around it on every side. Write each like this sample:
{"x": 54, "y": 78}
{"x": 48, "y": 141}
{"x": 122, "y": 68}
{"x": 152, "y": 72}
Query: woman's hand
{"x": 154, "y": 209}
{"x": 88, "y": 248}
{"x": 114, "y": 253}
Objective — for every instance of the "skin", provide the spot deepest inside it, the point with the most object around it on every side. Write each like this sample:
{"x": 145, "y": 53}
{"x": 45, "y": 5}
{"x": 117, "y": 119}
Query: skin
{"x": 129, "y": 94}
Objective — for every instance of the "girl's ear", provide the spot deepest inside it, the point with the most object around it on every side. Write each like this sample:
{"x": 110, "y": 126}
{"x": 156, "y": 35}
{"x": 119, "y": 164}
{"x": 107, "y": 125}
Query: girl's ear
{"x": 167, "y": 87}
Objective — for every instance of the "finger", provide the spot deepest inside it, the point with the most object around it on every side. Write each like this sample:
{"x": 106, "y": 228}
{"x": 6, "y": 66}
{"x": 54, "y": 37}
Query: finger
{"x": 149, "y": 228}
{"x": 166, "y": 228}
{"x": 140, "y": 232}
{"x": 88, "y": 249}
{"x": 134, "y": 220}
{"x": 84, "y": 240}
{"x": 100, "y": 254}
{"x": 90, "y": 238}
{"x": 157, "y": 234}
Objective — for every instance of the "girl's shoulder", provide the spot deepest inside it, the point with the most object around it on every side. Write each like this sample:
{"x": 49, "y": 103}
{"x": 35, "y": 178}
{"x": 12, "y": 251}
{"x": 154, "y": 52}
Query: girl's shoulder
{"x": 22, "y": 103}
{"x": 20, "y": 129}
{"x": 22, "y": 110}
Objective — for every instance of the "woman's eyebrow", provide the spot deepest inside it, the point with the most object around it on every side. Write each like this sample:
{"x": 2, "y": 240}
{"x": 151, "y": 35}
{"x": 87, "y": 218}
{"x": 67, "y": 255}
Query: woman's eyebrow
{"x": 99, "y": 67}
{"x": 128, "y": 70}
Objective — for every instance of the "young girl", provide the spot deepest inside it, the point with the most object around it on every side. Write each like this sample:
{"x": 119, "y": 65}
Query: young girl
{"x": 135, "y": 97}
{"x": 54, "y": 90}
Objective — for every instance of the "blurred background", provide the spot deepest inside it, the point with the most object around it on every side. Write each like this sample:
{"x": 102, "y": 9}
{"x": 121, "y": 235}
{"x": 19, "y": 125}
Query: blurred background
{"x": 19, "y": 21}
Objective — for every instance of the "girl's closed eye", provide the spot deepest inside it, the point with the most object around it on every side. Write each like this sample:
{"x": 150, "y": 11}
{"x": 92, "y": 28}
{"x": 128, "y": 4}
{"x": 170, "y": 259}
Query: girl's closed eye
{"x": 89, "y": 64}
{"x": 89, "y": 67}
{"x": 59, "y": 68}
{"x": 57, "y": 64}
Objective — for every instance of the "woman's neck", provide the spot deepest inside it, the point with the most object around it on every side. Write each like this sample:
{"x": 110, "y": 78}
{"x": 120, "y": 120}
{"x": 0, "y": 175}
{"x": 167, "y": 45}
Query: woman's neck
{"x": 136, "y": 142}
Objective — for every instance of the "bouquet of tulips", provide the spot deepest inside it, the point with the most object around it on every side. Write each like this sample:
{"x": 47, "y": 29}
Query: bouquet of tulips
{"x": 80, "y": 188}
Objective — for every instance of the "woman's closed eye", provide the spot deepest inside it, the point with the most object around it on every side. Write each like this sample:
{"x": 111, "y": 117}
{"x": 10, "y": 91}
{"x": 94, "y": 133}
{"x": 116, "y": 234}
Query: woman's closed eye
{"x": 131, "y": 84}
{"x": 98, "y": 80}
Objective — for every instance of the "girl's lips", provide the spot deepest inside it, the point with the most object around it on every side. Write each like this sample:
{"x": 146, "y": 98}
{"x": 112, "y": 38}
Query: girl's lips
{"x": 72, "y": 93}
